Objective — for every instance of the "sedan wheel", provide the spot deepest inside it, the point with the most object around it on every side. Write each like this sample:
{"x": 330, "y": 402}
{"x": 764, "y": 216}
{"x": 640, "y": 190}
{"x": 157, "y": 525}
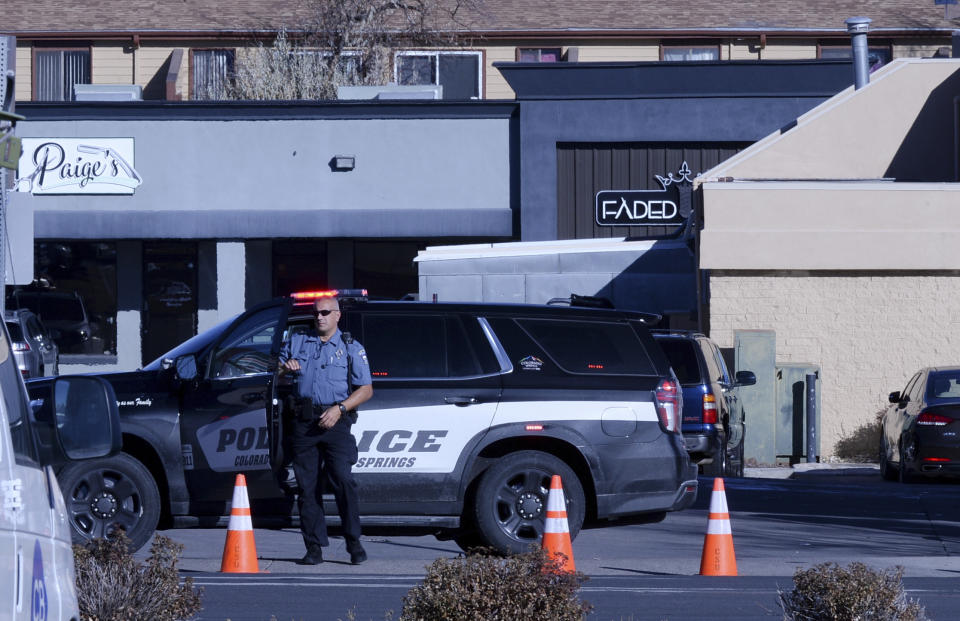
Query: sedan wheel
{"x": 510, "y": 506}
{"x": 905, "y": 475}
{"x": 103, "y": 495}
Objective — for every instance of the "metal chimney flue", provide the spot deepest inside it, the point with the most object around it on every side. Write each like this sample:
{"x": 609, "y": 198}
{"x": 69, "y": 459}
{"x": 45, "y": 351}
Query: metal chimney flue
{"x": 857, "y": 28}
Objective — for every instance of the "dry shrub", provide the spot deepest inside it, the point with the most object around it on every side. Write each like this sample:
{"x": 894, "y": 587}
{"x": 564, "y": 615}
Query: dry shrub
{"x": 113, "y": 586}
{"x": 828, "y": 592}
{"x": 484, "y": 585}
{"x": 862, "y": 445}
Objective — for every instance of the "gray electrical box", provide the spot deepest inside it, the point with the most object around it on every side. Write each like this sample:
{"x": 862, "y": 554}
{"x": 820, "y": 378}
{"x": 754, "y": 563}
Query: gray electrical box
{"x": 792, "y": 423}
{"x": 756, "y": 350}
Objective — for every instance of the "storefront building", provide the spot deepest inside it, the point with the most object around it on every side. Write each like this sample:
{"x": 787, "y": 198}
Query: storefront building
{"x": 841, "y": 236}
{"x": 168, "y": 219}
{"x": 608, "y": 153}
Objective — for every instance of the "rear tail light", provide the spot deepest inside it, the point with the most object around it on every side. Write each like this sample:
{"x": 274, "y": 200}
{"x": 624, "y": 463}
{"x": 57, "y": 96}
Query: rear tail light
{"x": 709, "y": 409}
{"x": 928, "y": 418}
{"x": 936, "y": 459}
{"x": 21, "y": 346}
{"x": 669, "y": 404}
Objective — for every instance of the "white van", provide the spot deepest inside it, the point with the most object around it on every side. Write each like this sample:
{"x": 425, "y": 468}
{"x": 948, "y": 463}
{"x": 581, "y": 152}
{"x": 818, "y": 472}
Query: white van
{"x": 36, "y": 559}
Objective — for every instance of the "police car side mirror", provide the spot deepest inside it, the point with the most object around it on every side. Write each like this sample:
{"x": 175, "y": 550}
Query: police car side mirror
{"x": 186, "y": 367}
{"x": 86, "y": 419}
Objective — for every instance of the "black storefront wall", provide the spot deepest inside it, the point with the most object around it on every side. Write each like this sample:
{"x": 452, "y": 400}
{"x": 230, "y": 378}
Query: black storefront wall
{"x": 576, "y": 116}
{"x": 584, "y": 169}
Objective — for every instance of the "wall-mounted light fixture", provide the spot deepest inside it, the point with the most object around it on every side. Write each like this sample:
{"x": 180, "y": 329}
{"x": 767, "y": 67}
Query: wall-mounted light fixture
{"x": 343, "y": 162}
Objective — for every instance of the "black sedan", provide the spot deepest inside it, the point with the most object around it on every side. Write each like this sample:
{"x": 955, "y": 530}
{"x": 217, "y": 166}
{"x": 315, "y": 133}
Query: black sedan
{"x": 920, "y": 430}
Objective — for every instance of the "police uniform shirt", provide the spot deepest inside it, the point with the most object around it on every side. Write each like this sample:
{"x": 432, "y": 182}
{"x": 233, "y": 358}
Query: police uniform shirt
{"x": 323, "y": 366}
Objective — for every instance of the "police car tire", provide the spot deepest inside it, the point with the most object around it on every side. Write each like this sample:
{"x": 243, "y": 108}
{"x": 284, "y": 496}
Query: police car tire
{"x": 81, "y": 482}
{"x": 517, "y": 476}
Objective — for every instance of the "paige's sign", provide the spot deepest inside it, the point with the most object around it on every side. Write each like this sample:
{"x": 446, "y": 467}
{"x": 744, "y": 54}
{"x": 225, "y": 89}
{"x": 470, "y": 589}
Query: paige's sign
{"x": 77, "y": 166}
{"x": 638, "y": 207}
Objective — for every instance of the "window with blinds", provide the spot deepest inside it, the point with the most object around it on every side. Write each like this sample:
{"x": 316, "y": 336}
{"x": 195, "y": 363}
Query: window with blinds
{"x": 212, "y": 70}
{"x": 56, "y": 71}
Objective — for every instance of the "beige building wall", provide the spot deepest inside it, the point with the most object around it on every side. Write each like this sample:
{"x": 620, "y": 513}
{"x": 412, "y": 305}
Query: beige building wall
{"x": 786, "y": 49}
{"x": 149, "y": 61}
{"x": 23, "y": 83}
{"x": 496, "y": 85}
{"x": 111, "y": 63}
{"x": 741, "y": 49}
{"x": 635, "y": 51}
{"x": 919, "y": 49}
{"x": 868, "y": 332}
{"x": 855, "y": 274}
{"x": 841, "y": 134}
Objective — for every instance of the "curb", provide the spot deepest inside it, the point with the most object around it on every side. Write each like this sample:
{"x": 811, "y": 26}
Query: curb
{"x": 816, "y": 470}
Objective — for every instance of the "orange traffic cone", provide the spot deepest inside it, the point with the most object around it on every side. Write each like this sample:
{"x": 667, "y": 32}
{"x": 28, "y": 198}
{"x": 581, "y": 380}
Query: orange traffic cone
{"x": 718, "y": 558}
{"x": 556, "y": 532}
{"x": 239, "y": 550}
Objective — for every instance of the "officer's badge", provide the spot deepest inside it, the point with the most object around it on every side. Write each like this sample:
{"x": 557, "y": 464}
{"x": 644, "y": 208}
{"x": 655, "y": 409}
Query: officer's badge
{"x": 339, "y": 354}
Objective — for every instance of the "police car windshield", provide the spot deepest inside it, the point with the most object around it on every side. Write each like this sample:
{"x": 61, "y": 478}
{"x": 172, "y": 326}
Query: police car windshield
{"x": 192, "y": 346}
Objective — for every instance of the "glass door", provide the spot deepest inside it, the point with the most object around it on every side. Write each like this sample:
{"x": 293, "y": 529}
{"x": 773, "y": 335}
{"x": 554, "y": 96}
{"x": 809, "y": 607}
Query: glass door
{"x": 169, "y": 296}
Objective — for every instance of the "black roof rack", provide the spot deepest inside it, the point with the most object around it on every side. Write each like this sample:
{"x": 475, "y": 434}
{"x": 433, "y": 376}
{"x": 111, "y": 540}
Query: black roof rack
{"x": 594, "y": 301}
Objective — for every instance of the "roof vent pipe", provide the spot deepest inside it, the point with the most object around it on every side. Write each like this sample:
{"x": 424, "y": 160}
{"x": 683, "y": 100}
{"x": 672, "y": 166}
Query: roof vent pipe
{"x": 857, "y": 28}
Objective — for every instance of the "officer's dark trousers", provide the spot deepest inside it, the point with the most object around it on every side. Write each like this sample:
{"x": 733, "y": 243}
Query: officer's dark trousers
{"x": 335, "y": 451}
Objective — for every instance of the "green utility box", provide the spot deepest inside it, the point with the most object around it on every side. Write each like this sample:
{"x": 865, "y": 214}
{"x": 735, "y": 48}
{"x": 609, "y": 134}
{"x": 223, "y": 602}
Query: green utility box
{"x": 756, "y": 350}
{"x": 791, "y": 422}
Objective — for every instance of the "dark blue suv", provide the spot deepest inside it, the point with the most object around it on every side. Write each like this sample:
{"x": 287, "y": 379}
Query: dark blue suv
{"x": 713, "y": 418}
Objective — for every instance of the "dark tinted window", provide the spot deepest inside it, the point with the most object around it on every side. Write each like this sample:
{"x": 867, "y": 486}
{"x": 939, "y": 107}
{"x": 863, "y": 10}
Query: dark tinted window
{"x": 14, "y": 398}
{"x": 594, "y": 347}
{"x": 910, "y": 385}
{"x": 714, "y": 372}
{"x": 401, "y": 346}
{"x": 944, "y": 385}
{"x": 683, "y": 358}
{"x": 247, "y": 349}
{"x": 16, "y": 334}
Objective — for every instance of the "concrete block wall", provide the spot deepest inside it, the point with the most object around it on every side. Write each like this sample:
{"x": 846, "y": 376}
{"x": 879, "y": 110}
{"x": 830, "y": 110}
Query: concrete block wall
{"x": 868, "y": 332}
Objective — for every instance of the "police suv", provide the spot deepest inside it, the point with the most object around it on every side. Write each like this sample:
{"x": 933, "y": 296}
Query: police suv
{"x": 474, "y": 408}
{"x": 80, "y": 420}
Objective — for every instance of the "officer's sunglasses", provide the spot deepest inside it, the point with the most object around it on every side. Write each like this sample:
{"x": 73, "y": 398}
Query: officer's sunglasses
{"x": 324, "y": 312}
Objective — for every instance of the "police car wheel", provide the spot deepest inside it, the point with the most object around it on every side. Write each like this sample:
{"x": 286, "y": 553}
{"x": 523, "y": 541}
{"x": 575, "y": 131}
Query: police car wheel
{"x": 510, "y": 505}
{"x": 105, "y": 494}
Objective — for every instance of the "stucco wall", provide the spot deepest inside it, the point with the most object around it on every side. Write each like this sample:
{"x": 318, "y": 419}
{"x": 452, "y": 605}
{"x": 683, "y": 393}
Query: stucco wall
{"x": 414, "y": 177}
{"x": 868, "y": 332}
{"x": 887, "y": 129}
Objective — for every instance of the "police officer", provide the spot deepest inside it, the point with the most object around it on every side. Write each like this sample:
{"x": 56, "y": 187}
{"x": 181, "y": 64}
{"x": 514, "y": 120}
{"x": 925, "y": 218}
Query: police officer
{"x": 321, "y": 432}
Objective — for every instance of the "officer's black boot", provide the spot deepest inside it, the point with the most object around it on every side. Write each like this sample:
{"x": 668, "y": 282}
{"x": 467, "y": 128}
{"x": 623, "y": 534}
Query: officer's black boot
{"x": 314, "y": 556}
{"x": 357, "y": 553}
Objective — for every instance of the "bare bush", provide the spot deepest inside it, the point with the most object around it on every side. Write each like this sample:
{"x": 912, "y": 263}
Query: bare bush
{"x": 344, "y": 43}
{"x": 113, "y": 586}
{"x": 483, "y": 585}
{"x": 862, "y": 444}
{"x": 828, "y": 592}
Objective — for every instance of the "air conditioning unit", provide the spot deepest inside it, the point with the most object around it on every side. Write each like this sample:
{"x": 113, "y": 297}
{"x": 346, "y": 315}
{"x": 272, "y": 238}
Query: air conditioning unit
{"x": 107, "y": 92}
{"x": 391, "y": 91}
